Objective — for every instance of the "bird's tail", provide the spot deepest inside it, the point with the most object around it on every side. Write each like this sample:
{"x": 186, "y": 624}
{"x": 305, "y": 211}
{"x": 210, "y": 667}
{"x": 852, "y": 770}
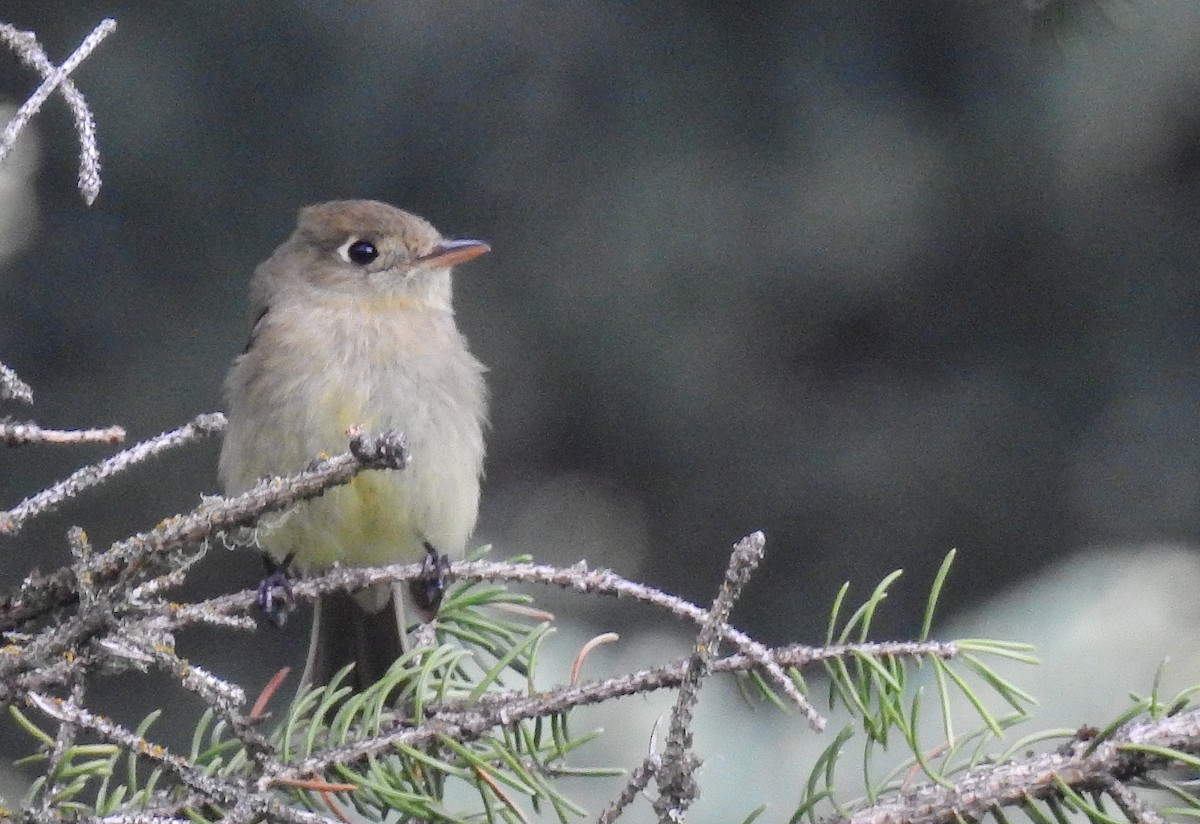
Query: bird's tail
{"x": 346, "y": 632}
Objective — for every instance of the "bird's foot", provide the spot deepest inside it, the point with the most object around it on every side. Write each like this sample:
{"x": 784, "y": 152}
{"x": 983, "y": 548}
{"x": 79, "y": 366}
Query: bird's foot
{"x": 428, "y": 590}
{"x": 275, "y": 597}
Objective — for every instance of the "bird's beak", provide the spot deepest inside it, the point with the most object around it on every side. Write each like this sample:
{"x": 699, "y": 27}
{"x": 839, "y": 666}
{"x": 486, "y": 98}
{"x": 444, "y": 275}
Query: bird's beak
{"x": 453, "y": 252}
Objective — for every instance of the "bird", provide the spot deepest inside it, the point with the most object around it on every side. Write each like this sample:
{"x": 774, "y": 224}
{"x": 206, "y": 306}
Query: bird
{"x": 352, "y": 325}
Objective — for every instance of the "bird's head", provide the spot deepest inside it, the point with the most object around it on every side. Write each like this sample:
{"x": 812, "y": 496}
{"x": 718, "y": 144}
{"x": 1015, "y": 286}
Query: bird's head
{"x": 368, "y": 249}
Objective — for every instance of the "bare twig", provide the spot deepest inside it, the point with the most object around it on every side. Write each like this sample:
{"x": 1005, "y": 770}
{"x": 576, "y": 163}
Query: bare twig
{"x": 18, "y": 434}
{"x": 386, "y": 451}
{"x": 577, "y": 578}
{"x": 670, "y": 675}
{"x": 463, "y": 721}
{"x": 604, "y": 582}
{"x": 638, "y": 780}
{"x": 1134, "y": 808}
{"x": 676, "y": 784}
{"x": 30, "y": 52}
{"x": 48, "y": 499}
{"x": 12, "y": 387}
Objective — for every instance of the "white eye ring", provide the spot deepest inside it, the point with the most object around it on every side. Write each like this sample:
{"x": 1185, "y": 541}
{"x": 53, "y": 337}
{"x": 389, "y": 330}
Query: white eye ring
{"x": 358, "y": 251}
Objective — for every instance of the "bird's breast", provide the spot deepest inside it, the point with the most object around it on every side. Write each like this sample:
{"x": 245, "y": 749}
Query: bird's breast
{"x": 314, "y": 372}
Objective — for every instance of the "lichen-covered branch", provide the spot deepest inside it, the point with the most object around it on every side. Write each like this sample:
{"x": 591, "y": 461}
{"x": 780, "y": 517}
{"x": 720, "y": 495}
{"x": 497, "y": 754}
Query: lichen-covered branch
{"x": 12, "y": 387}
{"x": 52, "y": 497}
{"x": 19, "y": 434}
{"x": 676, "y": 783}
{"x": 27, "y": 48}
{"x": 1082, "y": 765}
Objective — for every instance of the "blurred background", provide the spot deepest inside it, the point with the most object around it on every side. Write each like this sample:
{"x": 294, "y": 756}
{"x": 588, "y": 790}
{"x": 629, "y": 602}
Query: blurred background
{"x": 881, "y": 279}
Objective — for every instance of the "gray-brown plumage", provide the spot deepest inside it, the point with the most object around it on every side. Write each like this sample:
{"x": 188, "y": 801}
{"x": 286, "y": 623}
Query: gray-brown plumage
{"x": 353, "y": 324}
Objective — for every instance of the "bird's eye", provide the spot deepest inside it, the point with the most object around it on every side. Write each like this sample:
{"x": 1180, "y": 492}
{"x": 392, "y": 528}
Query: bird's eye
{"x": 359, "y": 251}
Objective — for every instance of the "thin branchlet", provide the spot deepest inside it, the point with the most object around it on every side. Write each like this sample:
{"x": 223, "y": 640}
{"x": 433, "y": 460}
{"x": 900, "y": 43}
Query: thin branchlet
{"x": 19, "y": 434}
{"x": 639, "y": 779}
{"x": 676, "y": 773}
{"x": 49, "y": 499}
{"x": 12, "y": 388}
{"x": 30, "y": 52}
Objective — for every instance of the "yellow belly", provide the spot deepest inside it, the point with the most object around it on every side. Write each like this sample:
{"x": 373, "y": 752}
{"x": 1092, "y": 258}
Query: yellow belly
{"x": 369, "y": 521}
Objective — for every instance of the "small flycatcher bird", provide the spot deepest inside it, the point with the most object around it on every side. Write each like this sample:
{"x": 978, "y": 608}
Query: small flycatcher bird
{"x": 353, "y": 324}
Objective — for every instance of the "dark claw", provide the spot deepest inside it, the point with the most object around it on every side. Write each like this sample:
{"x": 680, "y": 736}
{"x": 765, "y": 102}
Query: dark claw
{"x": 275, "y": 597}
{"x": 428, "y": 590}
